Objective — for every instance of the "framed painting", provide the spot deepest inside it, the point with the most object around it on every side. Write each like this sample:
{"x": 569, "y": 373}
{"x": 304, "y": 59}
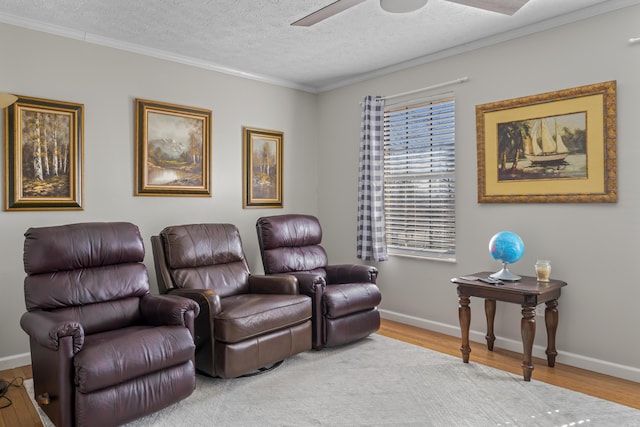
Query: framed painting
{"x": 43, "y": 155}
{"x": 173, "y": 145}
{"x": 556, "y": 147}
{"x": 262, "y": 168}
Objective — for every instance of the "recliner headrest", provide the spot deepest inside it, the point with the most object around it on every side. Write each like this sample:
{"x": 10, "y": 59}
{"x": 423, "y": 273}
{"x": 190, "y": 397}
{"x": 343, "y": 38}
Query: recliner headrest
{"x": 82, "y": 245}
{"x": 292, "y": 230}
{"x": 197, "y": 245}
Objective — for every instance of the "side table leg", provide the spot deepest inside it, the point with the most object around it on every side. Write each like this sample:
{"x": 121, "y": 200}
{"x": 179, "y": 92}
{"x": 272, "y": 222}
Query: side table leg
{"x": 551, "y": 322}
{"x": 528, "y": 330}
{"x": 464, "y": 315}
{"x": 490, "y": 312}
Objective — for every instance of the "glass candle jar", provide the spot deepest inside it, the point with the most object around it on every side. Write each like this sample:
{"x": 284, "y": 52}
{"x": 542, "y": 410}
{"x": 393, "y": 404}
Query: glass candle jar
{"x": 543, "y": 270}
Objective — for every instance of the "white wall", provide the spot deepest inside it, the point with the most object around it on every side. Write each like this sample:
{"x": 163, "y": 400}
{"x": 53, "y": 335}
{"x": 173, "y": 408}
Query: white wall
{"x": 592, "y": 246}
{"x": 107, "y": 81}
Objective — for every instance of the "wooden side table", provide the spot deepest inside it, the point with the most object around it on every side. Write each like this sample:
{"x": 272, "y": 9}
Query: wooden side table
{"x": 527, "y": 292}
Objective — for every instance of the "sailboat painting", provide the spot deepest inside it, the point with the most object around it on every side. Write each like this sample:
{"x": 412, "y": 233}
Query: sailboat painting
{"x": 553, "y": 147}
{"x": 551, "y": 150}
{"x": 544, "y": 147}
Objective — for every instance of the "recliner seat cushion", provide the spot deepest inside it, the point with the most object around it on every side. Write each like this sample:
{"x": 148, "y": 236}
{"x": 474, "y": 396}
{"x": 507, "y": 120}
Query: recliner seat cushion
{"x": 341, "y": 300}
{"x": 249, "y": 315}
{"x": 117, "y": 356}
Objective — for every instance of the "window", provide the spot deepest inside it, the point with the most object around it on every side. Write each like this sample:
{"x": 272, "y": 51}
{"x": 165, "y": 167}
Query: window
{"x": 419, "y": 179}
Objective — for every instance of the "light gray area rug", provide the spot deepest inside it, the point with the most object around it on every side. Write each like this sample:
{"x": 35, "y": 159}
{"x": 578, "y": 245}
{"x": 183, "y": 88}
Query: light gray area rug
{"x": 380, "y": 381}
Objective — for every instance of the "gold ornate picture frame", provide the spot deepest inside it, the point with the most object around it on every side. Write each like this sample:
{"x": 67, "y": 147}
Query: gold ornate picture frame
{"x": 43, "y": 155}
{"x": 262, "y": 168}
{"x": 173, "y": 150}
{"x": 555, "y": 147}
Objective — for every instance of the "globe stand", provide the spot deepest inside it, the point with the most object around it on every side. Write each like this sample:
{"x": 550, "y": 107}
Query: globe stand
{"x": 505, "y": 274}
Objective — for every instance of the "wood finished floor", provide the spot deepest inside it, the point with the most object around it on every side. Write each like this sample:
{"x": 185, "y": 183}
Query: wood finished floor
{"x": 23, "y": 414}
{"x": 594, "y": 384}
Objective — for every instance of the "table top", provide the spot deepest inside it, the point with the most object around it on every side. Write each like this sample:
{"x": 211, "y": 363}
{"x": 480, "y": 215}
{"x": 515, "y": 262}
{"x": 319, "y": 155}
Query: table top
{"x": 526, "y": 285}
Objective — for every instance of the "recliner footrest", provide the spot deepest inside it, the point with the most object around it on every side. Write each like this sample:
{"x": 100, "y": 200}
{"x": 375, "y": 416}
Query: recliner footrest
{"x": 117, "y": 356}
{"x": 341, "y": 300}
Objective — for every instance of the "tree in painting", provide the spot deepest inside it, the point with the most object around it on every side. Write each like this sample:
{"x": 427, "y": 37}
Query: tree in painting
{"x": 511, "y": 138}
{"x": 264, "y": 168}
{"x": 45, "y": 154}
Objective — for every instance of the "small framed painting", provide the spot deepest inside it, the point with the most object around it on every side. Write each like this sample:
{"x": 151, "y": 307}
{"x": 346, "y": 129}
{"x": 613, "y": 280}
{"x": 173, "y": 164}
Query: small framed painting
{"x": 43, "y": 155}
{"x": 262, "y": 168}
{"x": 556, "y": 147}
{"x": 173, "y": 145}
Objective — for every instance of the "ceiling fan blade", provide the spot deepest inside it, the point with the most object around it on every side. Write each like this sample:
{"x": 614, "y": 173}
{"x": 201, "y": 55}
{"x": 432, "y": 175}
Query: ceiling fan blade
{"x": 326, "y": 12}
{"x": 506, "y": 7}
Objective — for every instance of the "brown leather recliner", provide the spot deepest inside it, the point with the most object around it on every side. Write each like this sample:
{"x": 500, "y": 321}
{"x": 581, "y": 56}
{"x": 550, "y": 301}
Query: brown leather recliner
{"x": 345, "y": 297}
{"x": 247, "y": 322}
{"x": 104, "y": 351}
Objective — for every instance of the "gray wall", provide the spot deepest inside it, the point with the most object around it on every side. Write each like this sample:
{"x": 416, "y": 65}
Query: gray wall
{"x": 107, "y": 81}
{"x": 591, "y": 245}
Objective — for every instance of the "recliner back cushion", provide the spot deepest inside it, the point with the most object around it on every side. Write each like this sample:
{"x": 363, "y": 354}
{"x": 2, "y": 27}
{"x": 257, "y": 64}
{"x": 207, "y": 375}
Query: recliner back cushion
{"x": 206, "y": 256}
{"x": 84, "y": 245}
{"x": 291, "y": 243}
{"x": 86, "y": 271}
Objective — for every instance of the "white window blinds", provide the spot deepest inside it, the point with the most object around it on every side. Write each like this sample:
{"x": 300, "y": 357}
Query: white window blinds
{"x": 419, "y": 179}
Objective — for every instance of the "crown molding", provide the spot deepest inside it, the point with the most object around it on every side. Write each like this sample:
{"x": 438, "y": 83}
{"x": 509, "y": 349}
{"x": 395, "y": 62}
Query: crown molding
{"x": 589, "y": 12}
{"x": 598, "y": 9}
{"x": 143, "y": 50}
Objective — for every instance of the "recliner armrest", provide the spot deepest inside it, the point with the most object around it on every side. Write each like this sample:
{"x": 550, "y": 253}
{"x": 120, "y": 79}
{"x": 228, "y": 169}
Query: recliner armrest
{"x": 309, "y": 283}
{"x": 274, "y": 284}
{"x": 171, "y": 310}
{"x": 312, "y": 285}
{"x": 351, "y": 273}
{"x": 209, "y": 302}
{"x": 207, "y": 299}
{"x": 48, "y": 328}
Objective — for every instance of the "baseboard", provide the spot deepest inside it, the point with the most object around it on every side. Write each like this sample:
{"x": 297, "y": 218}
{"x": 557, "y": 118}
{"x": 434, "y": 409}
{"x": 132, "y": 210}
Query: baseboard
{"x": 572, "y": 359}
{"x": 15, "y": 361}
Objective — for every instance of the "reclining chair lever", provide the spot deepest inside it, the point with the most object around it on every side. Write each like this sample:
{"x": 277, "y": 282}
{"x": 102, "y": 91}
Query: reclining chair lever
{"x": 43, "y": 399}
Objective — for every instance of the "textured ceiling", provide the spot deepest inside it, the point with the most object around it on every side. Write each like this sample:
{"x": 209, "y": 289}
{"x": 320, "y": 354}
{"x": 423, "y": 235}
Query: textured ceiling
{"x": 254, "y": 38}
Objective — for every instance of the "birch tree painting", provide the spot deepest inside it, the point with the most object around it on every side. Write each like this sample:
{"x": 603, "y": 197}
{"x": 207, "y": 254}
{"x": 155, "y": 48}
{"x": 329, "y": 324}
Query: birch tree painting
{"x": 45, "y": 154}
{"x": 262, "y": 167}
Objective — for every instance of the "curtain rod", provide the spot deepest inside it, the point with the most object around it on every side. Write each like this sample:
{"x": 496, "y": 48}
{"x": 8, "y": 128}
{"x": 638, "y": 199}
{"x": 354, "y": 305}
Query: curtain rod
{"x": 436, "y": 86}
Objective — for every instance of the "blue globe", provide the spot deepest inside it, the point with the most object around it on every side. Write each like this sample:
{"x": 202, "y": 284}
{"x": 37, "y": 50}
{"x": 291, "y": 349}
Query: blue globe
{"x": 506, "y": 246}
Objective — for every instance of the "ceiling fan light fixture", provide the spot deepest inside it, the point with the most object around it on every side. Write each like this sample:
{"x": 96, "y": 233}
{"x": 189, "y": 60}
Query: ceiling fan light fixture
{"x": 402, "y": 6}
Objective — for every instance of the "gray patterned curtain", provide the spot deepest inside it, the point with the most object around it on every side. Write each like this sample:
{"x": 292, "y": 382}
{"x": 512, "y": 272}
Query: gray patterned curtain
{"x": 371, "y": 238}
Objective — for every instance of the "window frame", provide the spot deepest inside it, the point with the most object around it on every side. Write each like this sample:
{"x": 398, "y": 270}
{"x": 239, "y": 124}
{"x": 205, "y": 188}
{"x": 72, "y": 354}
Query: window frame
{"x": 419, "y": 161}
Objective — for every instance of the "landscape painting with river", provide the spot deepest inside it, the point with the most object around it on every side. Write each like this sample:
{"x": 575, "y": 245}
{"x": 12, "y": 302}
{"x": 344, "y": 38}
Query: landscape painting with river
{"x": 553, "y": 147}
{"x": 174, "y": 150}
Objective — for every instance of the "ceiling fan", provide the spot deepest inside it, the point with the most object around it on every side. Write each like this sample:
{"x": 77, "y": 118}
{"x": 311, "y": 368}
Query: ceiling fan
{"x": 506, "y": 7}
